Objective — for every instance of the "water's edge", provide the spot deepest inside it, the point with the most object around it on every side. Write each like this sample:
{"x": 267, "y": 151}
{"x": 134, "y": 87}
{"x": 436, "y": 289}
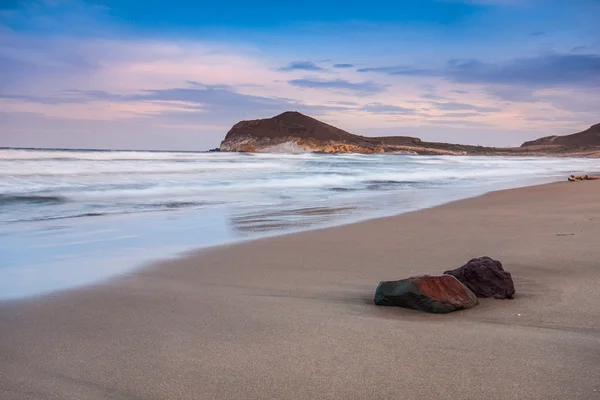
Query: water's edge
{"x": 159, "y": 258}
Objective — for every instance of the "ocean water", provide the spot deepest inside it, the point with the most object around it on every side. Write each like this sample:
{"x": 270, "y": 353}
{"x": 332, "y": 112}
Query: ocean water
{"x": 72, "y": 218}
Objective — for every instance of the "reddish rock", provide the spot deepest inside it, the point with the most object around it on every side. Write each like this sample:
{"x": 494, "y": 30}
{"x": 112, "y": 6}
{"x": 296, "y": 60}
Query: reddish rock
{"x": 434, "y": 294}
{"x": 486, "y": 278}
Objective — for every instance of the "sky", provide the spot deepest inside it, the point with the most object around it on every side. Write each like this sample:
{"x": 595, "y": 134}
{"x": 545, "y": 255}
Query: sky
{"x": 177, "y": 74}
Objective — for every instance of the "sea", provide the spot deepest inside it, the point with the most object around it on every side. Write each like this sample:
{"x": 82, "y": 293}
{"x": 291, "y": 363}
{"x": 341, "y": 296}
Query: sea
{"x": 71, "y": 218}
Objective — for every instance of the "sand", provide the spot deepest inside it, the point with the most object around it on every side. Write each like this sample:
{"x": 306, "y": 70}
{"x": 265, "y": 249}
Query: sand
{"x": 291, "y": 317}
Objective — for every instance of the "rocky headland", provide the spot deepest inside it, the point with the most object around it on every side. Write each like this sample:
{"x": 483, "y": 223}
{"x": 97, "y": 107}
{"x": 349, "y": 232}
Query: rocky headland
{"x": 293, "y": 132}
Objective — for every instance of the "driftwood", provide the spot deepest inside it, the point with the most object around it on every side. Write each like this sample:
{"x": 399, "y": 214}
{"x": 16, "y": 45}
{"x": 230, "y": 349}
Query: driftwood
{"x": 574, "y": 178}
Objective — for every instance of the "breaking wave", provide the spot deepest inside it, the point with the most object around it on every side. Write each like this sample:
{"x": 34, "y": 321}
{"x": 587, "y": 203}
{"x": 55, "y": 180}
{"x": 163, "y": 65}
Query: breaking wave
{"x": 55, "y": 184}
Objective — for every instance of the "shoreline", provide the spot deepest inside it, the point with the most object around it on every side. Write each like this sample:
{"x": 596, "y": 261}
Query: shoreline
{"x": 132, "y": 264}
{"x": 291, "y": 316}
{"x": 183, "y": 254}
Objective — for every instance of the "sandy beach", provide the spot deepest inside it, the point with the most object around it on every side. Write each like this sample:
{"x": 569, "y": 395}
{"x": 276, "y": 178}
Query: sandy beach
{"x": 291, "y": 317}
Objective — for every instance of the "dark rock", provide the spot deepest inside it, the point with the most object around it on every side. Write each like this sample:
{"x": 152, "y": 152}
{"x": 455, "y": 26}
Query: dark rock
{"x": 434, "y": 294}
{"x": 486, "y": 278}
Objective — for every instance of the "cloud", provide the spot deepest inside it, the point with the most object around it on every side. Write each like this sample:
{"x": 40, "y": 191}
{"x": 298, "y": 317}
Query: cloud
{"x": 548, "y": 69}
{"x": 344, "y": 103}
{"x": 582, "y": 101}
{"x": 220, "y": 86}
{"x": 433, "y": 96}
{"x": 362, "y": 88}
{"x": 592, "y": 48}
{"x": 401, "y": 70}
{"x": 379, "y": 108}
{"x": 542, "y": 70}
{"x": 215, "y": 101}
{"x": 551, "y": 118}
{"x": 343, "y": 65}
{"x": 537, "y": 33}
{"x": 453, "y": 106}
{"x": 462, "y": 115}
{"x": 431, "y": 93}
{"x": 455, "y": 122}
{"x": 40, "y": 99}
{"x": 518, "y": 94}
{"x": 301, "y": 66}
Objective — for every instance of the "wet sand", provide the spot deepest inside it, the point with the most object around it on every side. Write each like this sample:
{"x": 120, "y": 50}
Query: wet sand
{"x": 291, "y": 317}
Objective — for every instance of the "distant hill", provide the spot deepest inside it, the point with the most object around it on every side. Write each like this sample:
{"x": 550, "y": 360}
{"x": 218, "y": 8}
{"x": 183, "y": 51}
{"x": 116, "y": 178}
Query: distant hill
{"x": 587, "y": 138}
{"x": 296, "y": 132}
{"x": 293, "y": 132}
{"x": 291, "y": 127}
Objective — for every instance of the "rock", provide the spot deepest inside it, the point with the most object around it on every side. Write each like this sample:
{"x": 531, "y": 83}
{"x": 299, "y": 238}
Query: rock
{"x": 486, "y": 278}
{"x": 574, "y": 178}
{"x": 434, "y": 294}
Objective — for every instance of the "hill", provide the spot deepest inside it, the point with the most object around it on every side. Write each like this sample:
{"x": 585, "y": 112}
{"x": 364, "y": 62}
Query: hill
{"x": 585, "y": 139}
{"x": 293, "y": 132}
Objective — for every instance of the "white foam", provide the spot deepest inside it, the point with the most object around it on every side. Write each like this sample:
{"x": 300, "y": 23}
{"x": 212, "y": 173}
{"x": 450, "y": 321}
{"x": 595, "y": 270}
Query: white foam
{"x": 114, "y": 182}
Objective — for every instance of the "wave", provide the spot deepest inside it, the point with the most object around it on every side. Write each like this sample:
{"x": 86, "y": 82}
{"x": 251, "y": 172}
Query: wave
{"x": 8, "y": 199}
{"x": 61, "y": 184}
{"x": 131, "y": 209}
{"x": 132, "y": 189}
{"x": 92, "y": 155}
{"x": 390, "y": 184}
{"x": 137, "y": 168}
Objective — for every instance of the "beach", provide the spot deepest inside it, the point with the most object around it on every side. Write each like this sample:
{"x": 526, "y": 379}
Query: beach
{"x": 291, "y": 317}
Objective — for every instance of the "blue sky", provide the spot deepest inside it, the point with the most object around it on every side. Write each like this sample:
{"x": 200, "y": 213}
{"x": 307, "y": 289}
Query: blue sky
{"x": 177, "y": 74}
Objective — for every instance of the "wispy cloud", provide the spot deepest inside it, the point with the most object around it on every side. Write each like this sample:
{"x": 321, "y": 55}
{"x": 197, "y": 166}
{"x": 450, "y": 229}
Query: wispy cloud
{"x": 545, "y": 70}
{"x": 344, "y": 103}
{"x": 591, "y": 48}
{"x": 433, "y": 96}
{"x": 405, "y": 70}
{"x": 215, "y": 101}
{"x": 519, "y": 94}
{"x": 343, "y": 65}
{"x": 462, "y": 115}
{"x": 456, "y": 122}
{"x": 549, "y": 69}
{"x": 301, "y": 66}
{"x": 453, "y": 106}
{"x": 379, "y": 108}
{"x": 580, "y": 101}
{"x": 362, "y": 88}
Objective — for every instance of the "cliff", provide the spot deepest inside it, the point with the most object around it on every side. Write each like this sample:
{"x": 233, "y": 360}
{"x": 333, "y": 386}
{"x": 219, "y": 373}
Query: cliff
{"x": 293, "y": 132}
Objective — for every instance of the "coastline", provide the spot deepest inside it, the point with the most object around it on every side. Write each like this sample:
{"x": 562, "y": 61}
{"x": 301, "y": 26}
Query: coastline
{"x": 290, "y": 316}
{"x": 45, "y": 238}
